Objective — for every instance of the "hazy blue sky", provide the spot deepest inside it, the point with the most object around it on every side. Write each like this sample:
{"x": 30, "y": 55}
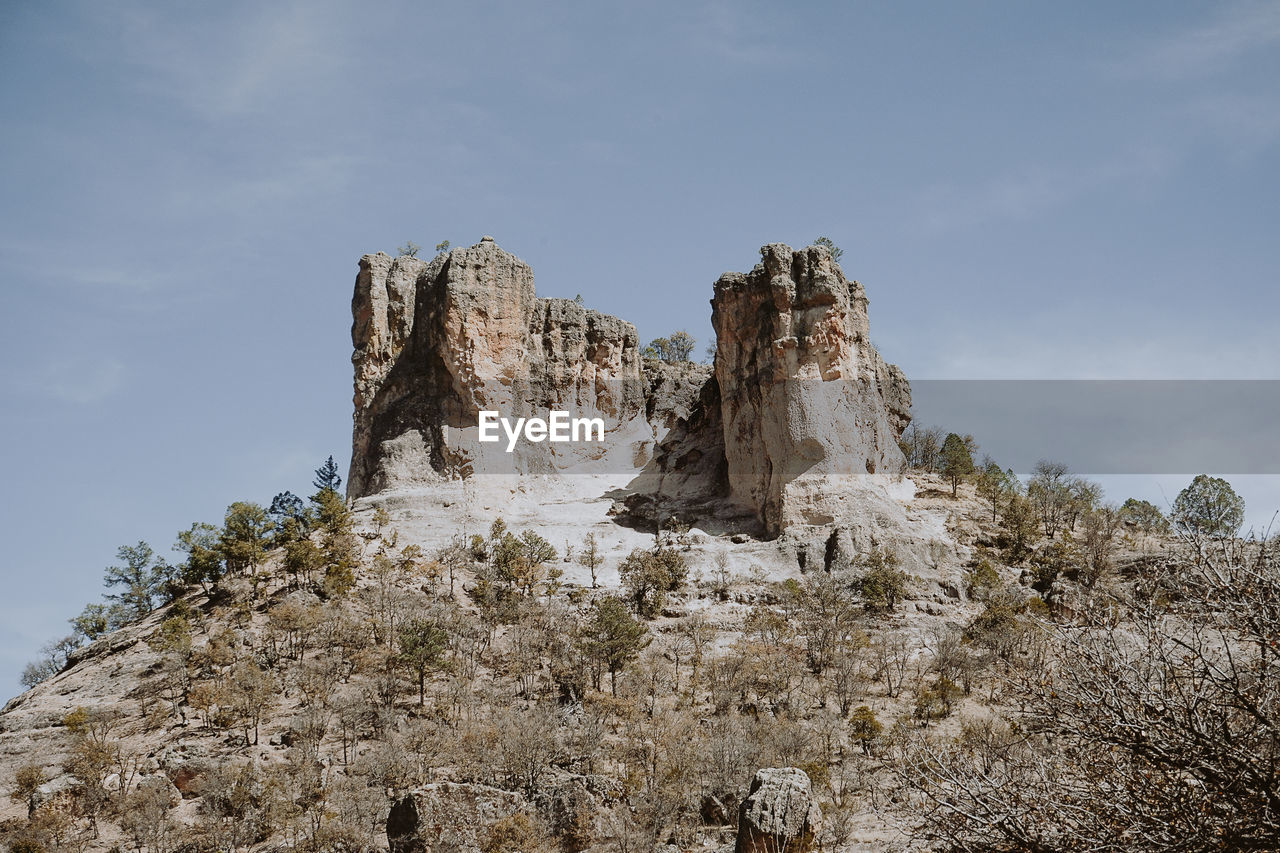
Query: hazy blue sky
{"x": 1027, "y": 191}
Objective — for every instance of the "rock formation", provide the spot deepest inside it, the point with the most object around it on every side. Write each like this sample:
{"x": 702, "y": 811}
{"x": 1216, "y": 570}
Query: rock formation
{"x": 798, "y": 410}
{"x": 805, "y": 398}
{"x": 779, "y": 814}
{"x": 173, "y": 694}
{"x": 437, "y": 342}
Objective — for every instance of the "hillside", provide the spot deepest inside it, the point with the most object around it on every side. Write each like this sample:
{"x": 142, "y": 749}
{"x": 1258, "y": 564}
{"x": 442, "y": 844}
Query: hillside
{"x": 511, "y": 704}
{"x": 763, "y": 614}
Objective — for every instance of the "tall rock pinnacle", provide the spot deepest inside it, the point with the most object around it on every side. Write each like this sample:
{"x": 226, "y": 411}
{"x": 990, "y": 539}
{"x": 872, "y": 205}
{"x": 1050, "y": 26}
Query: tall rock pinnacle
{"x": 807, "y": 403}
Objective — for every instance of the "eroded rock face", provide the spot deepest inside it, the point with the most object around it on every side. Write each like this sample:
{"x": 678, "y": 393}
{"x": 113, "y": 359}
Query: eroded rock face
{"x": 673, "y": 391}
{"x": 806, "y": 401}
{"x": 437, "y": 342}
{"x": 686, "y": 477}
{"x": 779, "y": 814}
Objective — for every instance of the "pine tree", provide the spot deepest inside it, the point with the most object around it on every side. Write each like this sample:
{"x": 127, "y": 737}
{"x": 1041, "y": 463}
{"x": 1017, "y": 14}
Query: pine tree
{"x": 137, "y": 578}
{"x": 865, "y": 728}
{"x": 832, "y": 249}
{"x": 678, "y": 347}
{"x": 1020, "y": 523}
{"x": 994, "y": 485}
{"x": 1144, "y": 515}
{"x": 422, "y": 645}
{"x": 339, "y": 545}
{"x": 286, "y": 506}
{"x": 590, "y": 557}
{"x": 92, "y": 622}
{"x": 244, "y": 536}
{"x": 327, "y": 476}
{"x": 204, "y": 556}
{"x": 649, "y": 575}
{"x": 957, "y": 462}
{"x": 613, "y": 636}
{"x": 1208, "y": 507}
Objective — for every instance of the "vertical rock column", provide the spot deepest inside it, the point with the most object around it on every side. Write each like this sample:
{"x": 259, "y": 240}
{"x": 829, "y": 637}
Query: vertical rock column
{"x": 807, "y": 402}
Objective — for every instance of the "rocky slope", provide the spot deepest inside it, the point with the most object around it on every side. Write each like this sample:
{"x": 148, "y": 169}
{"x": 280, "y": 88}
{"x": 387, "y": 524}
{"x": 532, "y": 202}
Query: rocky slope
{"x": 341, "y": 708}
{"x": 277, "y": 708}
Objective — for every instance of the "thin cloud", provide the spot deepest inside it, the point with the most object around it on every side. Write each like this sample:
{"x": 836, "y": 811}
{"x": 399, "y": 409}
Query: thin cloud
{"x": 1210, "y": 48}
{"x": 737, "y": 33}
{"x": 33, "y": 261}
{"x": 243, "y": 67}
{"x": 1033, "y": 190}
{"x": 134, "y": 279}
{"x": 1243, "y": 124}
{"x": 308, "y": 176}
{"x": 81, "y": 382}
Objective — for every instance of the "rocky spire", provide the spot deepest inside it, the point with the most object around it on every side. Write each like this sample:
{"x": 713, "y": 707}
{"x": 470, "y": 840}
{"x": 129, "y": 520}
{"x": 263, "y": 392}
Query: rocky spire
{"x": 805, "y": 397}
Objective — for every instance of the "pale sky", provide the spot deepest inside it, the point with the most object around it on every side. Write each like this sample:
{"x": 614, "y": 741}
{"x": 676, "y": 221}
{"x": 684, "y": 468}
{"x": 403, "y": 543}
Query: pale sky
{"x": 1084, "y": 190}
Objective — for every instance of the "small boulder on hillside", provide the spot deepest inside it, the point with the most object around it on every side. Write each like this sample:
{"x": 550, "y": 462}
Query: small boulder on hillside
{"x": 449, "y": 816}
{"x": 779, "y": 814}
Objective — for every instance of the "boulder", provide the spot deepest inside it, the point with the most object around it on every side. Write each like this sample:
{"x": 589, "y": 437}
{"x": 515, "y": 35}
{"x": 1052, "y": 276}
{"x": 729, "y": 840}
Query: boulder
{"x": 190, "y": 780}
{"x": 188, "y": 765}
{"x": 779, "y": 814}
{"x": 570, "y": 811}
{"x": 449, "y": 816}
{"x": 160, "y": 783}
{"x": 60, "y": 790}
